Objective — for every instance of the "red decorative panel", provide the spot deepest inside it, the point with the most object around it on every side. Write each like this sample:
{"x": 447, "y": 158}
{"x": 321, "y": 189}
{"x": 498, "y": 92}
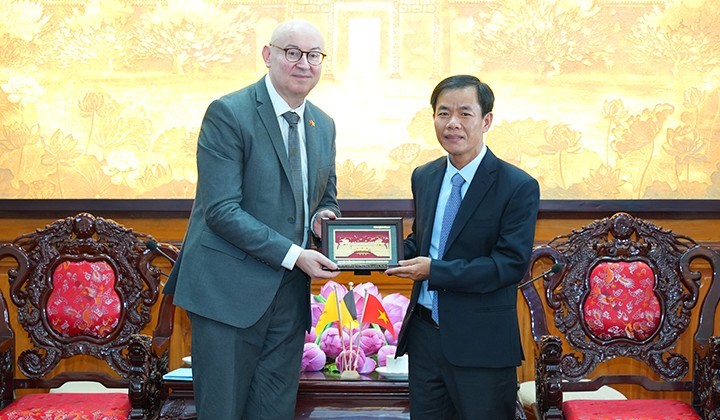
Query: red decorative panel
{"x": 621, "y": 302}
{"x": 628, "y": 409}
{"x": 104, "y": 406}
{"x": 83, "y": 300}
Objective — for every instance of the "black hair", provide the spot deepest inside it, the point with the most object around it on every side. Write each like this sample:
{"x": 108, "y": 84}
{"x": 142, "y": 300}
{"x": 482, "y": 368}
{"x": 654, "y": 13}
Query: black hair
{"x": 485, "y": 95}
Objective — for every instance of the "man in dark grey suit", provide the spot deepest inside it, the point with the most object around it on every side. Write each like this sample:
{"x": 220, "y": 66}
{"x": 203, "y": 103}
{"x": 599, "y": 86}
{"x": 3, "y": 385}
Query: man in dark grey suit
{"x": 265, "y": 180}
{"x": 463, "y": 357}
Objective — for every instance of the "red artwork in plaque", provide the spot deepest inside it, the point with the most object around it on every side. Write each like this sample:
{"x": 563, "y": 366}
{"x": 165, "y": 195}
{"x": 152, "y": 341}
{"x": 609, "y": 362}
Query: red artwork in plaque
{"x": 362, "y": 244}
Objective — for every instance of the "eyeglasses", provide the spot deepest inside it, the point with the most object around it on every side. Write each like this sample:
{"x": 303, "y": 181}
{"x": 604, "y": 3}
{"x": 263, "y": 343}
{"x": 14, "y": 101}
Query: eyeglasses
{"x": 293, "y": 55}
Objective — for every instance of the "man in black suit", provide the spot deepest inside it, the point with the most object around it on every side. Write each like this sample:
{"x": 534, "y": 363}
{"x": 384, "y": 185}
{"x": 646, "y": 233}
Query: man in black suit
{"x": 463, "y": 357}
{"x": 244, "y": 270}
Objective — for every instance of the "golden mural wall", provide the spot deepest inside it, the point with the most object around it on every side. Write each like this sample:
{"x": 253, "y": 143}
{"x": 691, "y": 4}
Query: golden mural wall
{"x": 598, "y": 100}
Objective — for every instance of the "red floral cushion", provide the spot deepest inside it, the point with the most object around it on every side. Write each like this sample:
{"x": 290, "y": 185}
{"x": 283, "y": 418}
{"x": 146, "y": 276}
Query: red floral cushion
{"x": 628, "y": 410}
{"x": 106, "y": 406}
{"x": 622, "y": 302}
{"x": 83, "y": 300}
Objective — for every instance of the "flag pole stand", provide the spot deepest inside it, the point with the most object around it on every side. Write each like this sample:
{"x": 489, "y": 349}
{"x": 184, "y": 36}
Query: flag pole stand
{"x": 349, "y": 374}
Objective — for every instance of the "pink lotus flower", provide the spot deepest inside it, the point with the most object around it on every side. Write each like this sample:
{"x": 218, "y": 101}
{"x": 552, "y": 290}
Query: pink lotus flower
{"x": 316, "y": 308}
{"x": 368, "y": 367}
{"x": 311, "y": 336}
{"x": 396, "y": 306}
{"x": 369, "y": 287}
{"x": 360, "y": 291}
{"x": 384, "y": 353}
{"x": 313, "y": 358}
{"x": 330, "y": 286}
{"x": 346, "y": 361}
{"x": 371, "y": 340}
{"x": 330, "y": 342}
{"x": 389, "y": 337}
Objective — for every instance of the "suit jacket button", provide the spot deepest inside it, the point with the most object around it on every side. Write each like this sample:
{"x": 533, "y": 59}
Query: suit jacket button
{"x": 291, "y": 220}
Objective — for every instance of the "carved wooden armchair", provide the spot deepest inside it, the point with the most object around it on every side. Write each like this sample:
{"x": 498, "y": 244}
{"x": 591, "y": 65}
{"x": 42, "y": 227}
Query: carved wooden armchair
{"x": 626, "y": 290}
{"x": 84, "y": 286}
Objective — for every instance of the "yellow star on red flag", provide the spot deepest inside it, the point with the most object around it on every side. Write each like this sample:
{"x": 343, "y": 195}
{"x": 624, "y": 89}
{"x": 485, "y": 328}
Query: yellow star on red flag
{"x": 375, "y": 313}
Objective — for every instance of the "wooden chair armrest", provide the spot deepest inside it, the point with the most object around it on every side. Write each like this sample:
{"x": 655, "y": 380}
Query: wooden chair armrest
{"x": 7, "y": 356}
{"x": 706, "y": 395}
{"x": 146, "y": 375}
{"x": 7, "y": 372}
{"x": 548, "y": 378}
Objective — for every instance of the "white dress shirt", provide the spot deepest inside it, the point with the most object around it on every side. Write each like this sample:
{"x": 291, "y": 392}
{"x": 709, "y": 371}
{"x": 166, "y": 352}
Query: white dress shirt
{"x": 468, "y": 173}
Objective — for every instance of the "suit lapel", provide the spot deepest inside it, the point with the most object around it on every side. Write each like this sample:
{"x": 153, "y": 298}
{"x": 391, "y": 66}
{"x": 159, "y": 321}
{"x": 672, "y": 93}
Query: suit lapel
{"x": 311, "y": 149}
{"x": 482, "y": 181}
{"x": 269, "y": 119}
{"x": 433, "y": 179}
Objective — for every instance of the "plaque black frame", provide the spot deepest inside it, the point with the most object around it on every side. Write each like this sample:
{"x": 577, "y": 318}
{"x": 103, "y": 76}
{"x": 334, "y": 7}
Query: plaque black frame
{"x": 392, "y": 225}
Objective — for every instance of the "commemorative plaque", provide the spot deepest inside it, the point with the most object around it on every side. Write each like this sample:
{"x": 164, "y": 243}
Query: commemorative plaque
{"x": 363, "y": 243}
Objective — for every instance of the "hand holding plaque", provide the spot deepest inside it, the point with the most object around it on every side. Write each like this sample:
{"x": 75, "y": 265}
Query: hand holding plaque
{"x": 363, "y": 243}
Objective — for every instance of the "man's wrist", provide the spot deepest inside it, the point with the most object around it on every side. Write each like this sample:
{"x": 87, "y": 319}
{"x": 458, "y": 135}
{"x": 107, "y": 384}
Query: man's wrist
{"x": 291, "y": 257}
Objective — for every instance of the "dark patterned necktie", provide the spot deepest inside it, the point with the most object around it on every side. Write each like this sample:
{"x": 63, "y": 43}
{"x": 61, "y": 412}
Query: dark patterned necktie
{"x": 451, "y": 209}
{"x": 294, "y": 159}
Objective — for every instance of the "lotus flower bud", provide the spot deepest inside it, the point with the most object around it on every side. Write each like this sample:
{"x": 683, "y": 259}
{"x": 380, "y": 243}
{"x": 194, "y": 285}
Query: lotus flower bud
{"x": 384, "y": 353}
{"x": 371, "y": 340}
{"x": 330, "y": 342}
{"x": 346, "y": 360}
{"x": 313, "y": 358}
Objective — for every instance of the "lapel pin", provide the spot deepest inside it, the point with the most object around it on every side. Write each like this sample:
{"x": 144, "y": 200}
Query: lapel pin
{"x": 312, "y": 123}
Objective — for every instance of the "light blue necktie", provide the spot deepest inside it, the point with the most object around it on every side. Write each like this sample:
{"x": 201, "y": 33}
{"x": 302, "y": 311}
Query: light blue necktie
{"x": 451, "y": 209}
{"x": 295, "y": 162}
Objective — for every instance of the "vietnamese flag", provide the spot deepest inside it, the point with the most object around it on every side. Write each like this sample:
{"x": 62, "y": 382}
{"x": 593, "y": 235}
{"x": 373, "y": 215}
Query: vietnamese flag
{"x": 375, "y": 313}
